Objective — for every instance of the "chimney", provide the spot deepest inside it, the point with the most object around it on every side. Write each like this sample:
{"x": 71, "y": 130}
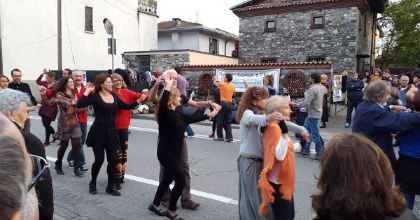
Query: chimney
{"x": 176, "y": 22}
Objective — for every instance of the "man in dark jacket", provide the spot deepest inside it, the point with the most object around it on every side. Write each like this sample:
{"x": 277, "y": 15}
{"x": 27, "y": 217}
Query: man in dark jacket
{"x": 354, "y": 95}
{"x": 17, "y": 84}
{"x": 377, "y": 122}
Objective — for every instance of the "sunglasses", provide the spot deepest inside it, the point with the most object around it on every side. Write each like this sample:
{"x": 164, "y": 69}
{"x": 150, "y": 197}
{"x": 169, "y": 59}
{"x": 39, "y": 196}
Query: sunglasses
{"x": 40, "y": 164}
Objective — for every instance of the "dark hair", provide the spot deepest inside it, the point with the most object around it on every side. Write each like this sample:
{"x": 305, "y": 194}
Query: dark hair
{"x": 13, "y": 70}
{"x": 51, "y": 74}
{"x": 178, "y": 70}
{"x": 356, "y": 181}
{"x": 68, "y": 70}
{"x": 62, "y": 84}
{"x": 250, "y": 94}
{"x": 316, "y": 77}
{"x": 270, "y": 80}
{"x": 99, "y": 80}
{"x": 4, "y": 76}
{"x": 229, "y": 77}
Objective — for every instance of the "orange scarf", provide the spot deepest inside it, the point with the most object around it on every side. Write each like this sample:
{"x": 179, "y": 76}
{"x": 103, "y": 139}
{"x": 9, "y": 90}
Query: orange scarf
{"x": 271, "y": 137}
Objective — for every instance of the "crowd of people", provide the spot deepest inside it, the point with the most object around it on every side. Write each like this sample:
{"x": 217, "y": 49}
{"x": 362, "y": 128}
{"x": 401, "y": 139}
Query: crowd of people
{"x": 360, "y": 175}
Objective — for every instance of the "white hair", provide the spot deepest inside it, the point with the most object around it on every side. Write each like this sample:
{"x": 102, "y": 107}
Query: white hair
{"x": 275, "y": 103}
{"x": 170, "y": 72}
{"x": 10, "y": 100}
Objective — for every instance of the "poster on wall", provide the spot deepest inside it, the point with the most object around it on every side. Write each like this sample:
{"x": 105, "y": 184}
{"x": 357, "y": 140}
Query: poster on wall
{"x": 251, "y": 77}
{"x": 337, "y": 94}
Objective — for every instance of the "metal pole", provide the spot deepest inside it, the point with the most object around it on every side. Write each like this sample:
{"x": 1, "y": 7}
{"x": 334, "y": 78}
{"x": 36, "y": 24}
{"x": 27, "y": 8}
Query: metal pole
{"x": 59, "y": 40}
{"x": 112, "y": 50}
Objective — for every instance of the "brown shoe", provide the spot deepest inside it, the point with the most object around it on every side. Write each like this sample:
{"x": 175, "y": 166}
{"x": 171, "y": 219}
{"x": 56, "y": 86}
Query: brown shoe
{"x": 189, "y": 204}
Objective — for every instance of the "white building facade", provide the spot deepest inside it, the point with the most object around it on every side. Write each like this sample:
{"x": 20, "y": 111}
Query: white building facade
{"x": 29, "y": 33}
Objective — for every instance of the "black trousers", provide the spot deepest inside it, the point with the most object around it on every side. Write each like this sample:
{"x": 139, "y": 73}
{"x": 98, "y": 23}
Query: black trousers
{"x": 350, "y": 106}
{"x": 224, "y": 120}
{"x": 99, "y": 152}
{"x": 49, "y": 130}
{"x": 121, "y": 155}
{"x": 282, "y": 209}
{"x": 75, "y": 149}
{"x": 172, "y": 171}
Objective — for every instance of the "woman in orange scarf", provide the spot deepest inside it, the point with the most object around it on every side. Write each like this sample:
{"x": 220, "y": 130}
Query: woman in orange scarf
{"x": 277, "y": 179}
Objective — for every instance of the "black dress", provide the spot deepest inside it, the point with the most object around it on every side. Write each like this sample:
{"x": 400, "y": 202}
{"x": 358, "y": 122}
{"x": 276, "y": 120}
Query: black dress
{"x": 102, "y": 133}
{"x": 172, "y": 125}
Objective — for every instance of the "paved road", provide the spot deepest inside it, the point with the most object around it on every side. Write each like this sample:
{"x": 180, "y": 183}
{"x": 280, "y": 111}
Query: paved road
{"x": 213, "y": 171}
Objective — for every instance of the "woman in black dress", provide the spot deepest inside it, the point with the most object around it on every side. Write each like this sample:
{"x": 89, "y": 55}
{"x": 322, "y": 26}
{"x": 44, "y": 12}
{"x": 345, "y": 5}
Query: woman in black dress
{"x": 172, "y": 124}
{"x": 102, "y": 136}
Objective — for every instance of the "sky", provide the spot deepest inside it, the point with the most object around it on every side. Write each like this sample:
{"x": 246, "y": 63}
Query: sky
{"x": 210, "y": 13}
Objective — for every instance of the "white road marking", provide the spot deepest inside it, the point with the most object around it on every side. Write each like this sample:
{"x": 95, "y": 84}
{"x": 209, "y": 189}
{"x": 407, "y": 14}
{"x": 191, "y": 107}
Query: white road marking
{"x": 156, "y": 183}
{"x": 152, "y": 130}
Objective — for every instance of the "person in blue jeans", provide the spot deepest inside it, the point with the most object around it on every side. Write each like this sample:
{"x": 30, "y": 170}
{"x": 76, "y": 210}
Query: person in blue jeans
{"x": 314, "y": 103}
{"x": 83, "y": 166}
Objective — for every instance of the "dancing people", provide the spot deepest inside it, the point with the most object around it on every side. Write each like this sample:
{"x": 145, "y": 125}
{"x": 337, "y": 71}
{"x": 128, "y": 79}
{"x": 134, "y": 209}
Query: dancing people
{"x": 68, "y": 127}
{"x": 122, "y": 122}
{"x": 250, "y": 162}
{"x": 102, "y": 136}
{"x": 48, "y": 110}
{"x": 172, "y": 124}
{"x": 186, "y": 201}
{"x": 277, "y": 179}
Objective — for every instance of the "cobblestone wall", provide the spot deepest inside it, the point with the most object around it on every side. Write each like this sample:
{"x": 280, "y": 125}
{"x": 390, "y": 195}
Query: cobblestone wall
{"x": 295, "y": 40}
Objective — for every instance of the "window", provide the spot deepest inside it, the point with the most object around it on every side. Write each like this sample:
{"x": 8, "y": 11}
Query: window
{"x": 213, "y": 46}
{"x": 317, "y": 21}
{"x": 88, "y": 18}
{"x": 315, "y": 58}
{"x": 269, "y": 60}
{"x": 270, "y": 26}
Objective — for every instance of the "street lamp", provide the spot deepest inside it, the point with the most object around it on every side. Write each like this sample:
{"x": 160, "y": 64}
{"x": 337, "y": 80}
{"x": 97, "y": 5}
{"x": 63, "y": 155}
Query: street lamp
{"x": 109, "y": 28}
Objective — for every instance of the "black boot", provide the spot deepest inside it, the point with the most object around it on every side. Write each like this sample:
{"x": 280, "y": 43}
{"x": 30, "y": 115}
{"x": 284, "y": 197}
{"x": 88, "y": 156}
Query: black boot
{"x": 59, "y": 168}
{"x": 92, "y": 188}
{"x": 112, "y": 191}
{"x": 78, "y": 172}
{"x": 118, "y": 186}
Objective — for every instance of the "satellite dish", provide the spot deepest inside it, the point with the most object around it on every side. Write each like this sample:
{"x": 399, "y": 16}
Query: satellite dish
{"x": 109, "y": 28}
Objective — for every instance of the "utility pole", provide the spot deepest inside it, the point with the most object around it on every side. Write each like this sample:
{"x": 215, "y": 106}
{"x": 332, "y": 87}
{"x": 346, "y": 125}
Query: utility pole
{"x": 59, "y": 39}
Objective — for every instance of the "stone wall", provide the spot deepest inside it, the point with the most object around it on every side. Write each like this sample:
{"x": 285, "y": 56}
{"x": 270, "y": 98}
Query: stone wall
{"x": 163, "y": 62}
{"x": 295, "y": 40}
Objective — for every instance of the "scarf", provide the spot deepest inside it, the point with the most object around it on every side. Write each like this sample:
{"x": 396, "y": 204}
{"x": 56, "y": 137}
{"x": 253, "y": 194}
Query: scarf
{"x": 286, "y": 176}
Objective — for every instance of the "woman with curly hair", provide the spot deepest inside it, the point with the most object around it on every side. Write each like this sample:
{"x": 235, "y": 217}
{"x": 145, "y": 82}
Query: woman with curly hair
{"x": 250, "y": 162}
{"x": 48, "y": 110}
{"x": 356, "y": 182}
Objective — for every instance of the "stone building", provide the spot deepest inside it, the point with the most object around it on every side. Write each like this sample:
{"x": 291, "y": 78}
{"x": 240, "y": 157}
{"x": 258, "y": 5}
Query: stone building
{"x": 340, "y": 31}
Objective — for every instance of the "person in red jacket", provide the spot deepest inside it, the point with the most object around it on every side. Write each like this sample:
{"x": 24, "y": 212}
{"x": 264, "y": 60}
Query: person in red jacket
{"x": 82, "y": 115}
{"x": 122, "y": 122}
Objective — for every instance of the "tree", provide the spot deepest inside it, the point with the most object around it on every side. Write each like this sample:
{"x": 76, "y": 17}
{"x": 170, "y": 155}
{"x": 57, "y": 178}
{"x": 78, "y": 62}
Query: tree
{"x": 401, "y": 21}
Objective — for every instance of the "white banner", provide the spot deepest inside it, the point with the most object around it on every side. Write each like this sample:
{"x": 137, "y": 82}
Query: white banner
{"x": 251, "y": 77}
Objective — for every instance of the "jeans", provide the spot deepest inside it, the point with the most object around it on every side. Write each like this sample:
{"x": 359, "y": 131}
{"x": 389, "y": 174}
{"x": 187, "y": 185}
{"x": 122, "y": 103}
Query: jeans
{"x": 409, "y": 198}
{"x": 83, "y": 127}
{"x": 188, "y": 110}
{"x": 224, "y": 120}
{"x": 312, "y": 125}
{"x": 350, "y": 106}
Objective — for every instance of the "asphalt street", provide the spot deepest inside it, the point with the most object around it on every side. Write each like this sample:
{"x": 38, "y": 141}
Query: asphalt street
{"x": 213, "y": 170}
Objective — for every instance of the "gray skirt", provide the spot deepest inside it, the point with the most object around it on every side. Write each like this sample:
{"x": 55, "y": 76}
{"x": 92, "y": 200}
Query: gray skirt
{"x": 249, "y": 195}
